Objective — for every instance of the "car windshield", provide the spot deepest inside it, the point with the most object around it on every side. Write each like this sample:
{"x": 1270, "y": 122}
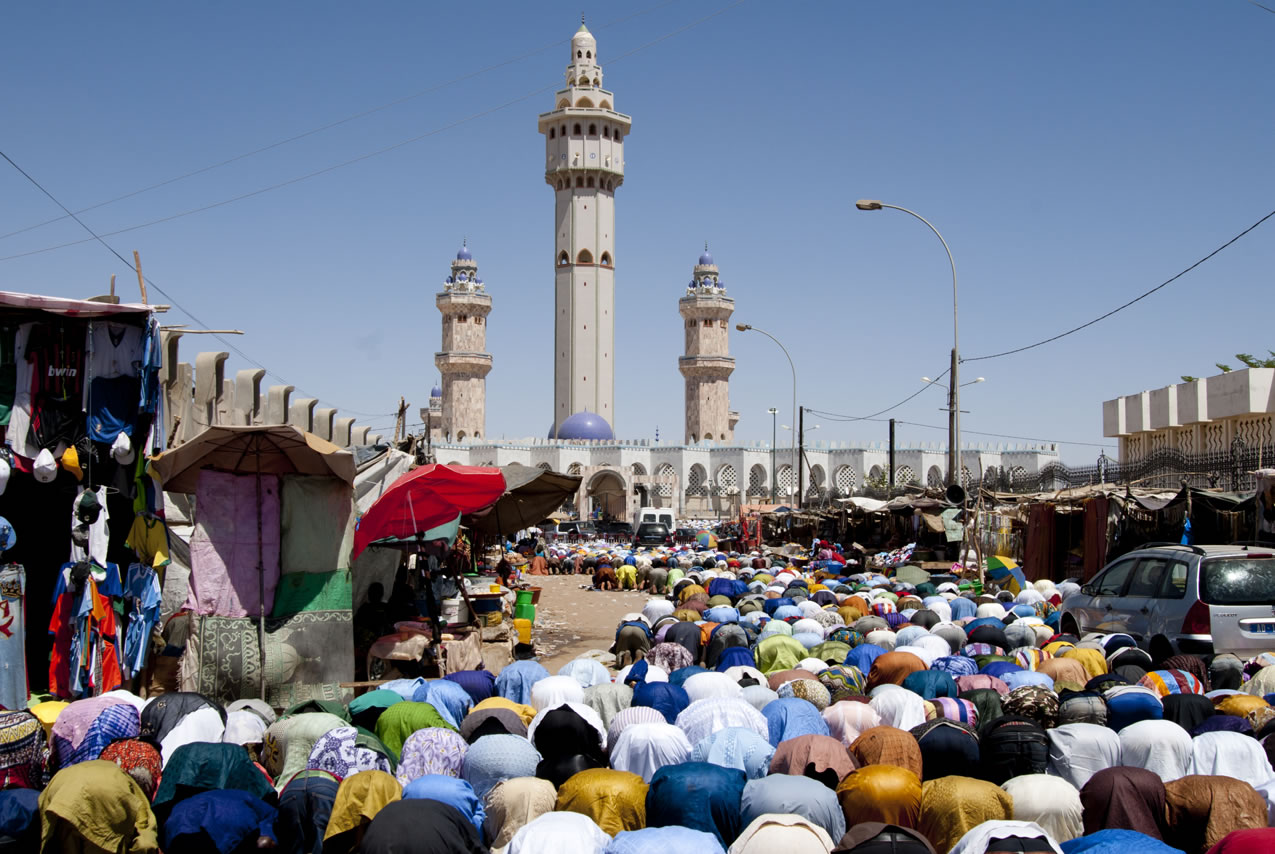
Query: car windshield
{"x": 1238, "y": 581}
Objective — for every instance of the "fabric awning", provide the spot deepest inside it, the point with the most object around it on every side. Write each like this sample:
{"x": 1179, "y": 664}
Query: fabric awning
{"x": 273, "y": 449}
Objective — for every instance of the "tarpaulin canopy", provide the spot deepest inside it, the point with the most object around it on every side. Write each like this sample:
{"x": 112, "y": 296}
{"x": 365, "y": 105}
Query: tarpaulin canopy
{"x": 273, "y": 449}
{"x": 71, "y": 307}
{"x": 531, "y": 495}
{"x": 425, "y": 498}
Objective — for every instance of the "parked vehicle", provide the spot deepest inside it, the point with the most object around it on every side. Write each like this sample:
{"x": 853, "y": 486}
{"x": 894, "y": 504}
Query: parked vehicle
{"x": 615, "y": 530}
{"x": 577, "y": 530}
{"x": 663, "y": 515}
{"x": 1182, "y": 599}
{"x": 652, "y": 534}
{"x": 684, "y": 535}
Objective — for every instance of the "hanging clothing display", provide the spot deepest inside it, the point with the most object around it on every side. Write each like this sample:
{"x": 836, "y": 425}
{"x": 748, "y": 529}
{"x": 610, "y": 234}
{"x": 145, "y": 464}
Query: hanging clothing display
{"x": 85, "y": 659}
{"x": 142, "y": 598}
{"x": 149, "y": 539}
{"x": 13, "y": 637}
{"x": 56, "y": 352}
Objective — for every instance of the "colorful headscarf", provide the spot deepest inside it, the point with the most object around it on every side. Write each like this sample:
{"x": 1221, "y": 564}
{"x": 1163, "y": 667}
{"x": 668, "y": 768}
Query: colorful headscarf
{"x": 339, "y": 753}
{"x": 139, "y": 759}
{"x": 431, "y": 751}
{"x": 22, "y": 750}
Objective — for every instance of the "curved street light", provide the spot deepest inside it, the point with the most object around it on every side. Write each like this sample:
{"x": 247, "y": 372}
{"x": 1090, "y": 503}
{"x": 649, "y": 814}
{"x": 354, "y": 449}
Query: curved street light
{"x": 745, "y": 327}
{"x": 954, "y": 393}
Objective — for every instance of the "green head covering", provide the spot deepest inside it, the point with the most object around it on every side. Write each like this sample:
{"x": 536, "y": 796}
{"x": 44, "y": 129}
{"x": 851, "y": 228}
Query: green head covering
{"x": 331, "y": 707}
{"x": 402, "y": 719}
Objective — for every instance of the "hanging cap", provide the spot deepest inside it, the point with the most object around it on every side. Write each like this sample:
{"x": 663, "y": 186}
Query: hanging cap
{"x": 122, "y": 449}
{"x": 87, "y": 507}
{"x": 45, "y": 467}
{"x": 8, "y": 537}
{"x": 71, "y": 462}
{"x": 4, "y": 474}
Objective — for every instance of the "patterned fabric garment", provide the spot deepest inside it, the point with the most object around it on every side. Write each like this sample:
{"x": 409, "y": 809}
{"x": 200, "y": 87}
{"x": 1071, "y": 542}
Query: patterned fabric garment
{"x": 139, "y": 760}
{"x": 1035, "y": 702}
{"x": 337, "y": 753}
{"x": 669, "y": 657}
{"x": 431, "y": 751}
{"x": 120, "y": 720}
{"x": 809, "y": 690}
{"x": 22, "y": 750}
{"x": 842, "y": 679}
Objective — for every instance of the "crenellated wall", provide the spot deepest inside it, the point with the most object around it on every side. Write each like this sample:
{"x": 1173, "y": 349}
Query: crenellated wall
{"x": 202, "y": 396}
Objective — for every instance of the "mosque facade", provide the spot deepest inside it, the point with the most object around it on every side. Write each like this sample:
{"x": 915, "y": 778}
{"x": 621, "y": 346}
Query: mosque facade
{"x": 709, "y": 474}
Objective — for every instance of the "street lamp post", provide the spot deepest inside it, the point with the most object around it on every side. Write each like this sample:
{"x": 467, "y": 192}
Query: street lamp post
{"x": 745, "y": 327}
{"x": 774, "y": 414}
{"x": 954, "y": 386}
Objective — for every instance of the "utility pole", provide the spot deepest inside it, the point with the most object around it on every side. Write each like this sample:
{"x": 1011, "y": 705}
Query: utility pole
{"x": 891, "y": 481}
{"x": 953, "y": 423}
{"x": 801, "y": 454}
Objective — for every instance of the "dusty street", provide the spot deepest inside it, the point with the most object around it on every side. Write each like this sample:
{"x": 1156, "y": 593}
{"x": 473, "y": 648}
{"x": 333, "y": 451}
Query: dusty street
{"x": 570, "y": 620}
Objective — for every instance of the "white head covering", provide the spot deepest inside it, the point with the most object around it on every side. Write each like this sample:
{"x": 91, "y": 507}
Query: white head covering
{"x": 883, "y": 638}
{"x": 643, "y": 749}
{"x": 559, "y": 833}
{"x": 1051, "y": 802}
{"x": 656, "y": 608}
{"x": 808, "y": 625}
{"x": 814, "y": 665}
{"x": 203, "y": 724}
{"x": 990, "y": 609}
{"x": 1078, "y": 751}
{"x": 980, "y": 836}
{"x": 926, "y": 654}
{"x": 243, "y": 727}
{"x": 555, "y": 690}
{"x": 759, "y": 696}
{"x": 632, "y": 716}
{"x": 705, "y": 717}
{"x": 781, "y": 832}
{"x": 1231, "y": 754}
{"x": 654, "y": 673}
{"x": 743, "y": 671}
{"x": 586, "y": 671}
{"x": 1159, "y": 746}
{"x": 897, "y": 706}
{"x": 704, "y": 686}
{"x": 848, "y": 719}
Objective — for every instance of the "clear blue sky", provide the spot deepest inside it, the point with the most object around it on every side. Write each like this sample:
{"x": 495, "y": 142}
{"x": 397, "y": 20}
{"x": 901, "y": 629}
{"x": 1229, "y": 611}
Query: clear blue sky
{"x": 1073, "y": 155}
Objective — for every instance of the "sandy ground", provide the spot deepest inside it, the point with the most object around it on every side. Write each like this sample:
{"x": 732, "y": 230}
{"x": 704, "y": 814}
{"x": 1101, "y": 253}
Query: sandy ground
{"x": 571, "y": 620}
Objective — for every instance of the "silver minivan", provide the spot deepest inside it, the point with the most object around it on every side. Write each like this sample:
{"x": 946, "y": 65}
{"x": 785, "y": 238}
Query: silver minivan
{"x": 1182, "y": 599}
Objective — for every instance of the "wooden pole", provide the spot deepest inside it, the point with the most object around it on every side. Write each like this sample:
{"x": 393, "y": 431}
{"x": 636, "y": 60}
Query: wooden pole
{"x": 141, "y": 282}
{"x": 112, "y": 284}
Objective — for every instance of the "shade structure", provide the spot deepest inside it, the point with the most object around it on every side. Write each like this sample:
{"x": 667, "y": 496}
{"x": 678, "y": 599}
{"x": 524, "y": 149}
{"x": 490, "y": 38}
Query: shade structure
{"x": 1005, "y": 572}
{"x": 425, "y": 498}
{"x": 273, "y": 449}
{"x": 531, "y": 495}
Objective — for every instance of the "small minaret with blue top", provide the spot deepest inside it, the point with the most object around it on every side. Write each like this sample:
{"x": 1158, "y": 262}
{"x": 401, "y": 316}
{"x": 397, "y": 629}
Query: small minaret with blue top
{"x": 707, "y": 365}
{"x": 463, "y": 359}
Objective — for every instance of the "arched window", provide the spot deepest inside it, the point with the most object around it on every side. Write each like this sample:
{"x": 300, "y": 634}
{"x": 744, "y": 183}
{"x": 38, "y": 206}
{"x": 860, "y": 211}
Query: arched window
{"x": 666, "y": 471}
{"x": 846, "y": 480}
{"x": 593, "y": 130}
{"x": 552, "y": 132}
{"x": 583, "y": 81}
{"x": 579, "y": 181}
{"x": 576, "y": 129}
{"x": 460, "y": 435}
{"x": 563, "y": 132}
{"x": 606, "y": 105}
{"x": 596, "y": 82}
{"x": 589, "y": 181}
{"x": 584, "y": 102}
{"x": 606, "y": 259}
{"x": 606, "y": 132}
{"x": 563, "y": 258}
{"x": 562, "y": 105}
{"x": 727, "y": 482}
{"x": 559, "y": 183}
{"x": 588, "y": 54}
{"x": 585, "y": 257}
{"x": 697, "y": 481}
{"x": 617, "y": 136}
{"x": 934, "y": 478}
{"x": 757, "y": 480}
{"x": 577, "y": 54}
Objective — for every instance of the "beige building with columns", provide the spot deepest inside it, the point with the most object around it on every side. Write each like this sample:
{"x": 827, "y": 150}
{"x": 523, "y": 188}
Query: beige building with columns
{"x": 463, "y": 360}
{"x": 707, "y": 364}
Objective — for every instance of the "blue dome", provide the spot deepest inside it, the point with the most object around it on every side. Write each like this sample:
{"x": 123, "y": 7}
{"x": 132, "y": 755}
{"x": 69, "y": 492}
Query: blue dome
{"x": 436, "y": 392}
{"x": 706, "y": 258}
{"x": 584, "y": 425}
{"x": 464, "y": 254}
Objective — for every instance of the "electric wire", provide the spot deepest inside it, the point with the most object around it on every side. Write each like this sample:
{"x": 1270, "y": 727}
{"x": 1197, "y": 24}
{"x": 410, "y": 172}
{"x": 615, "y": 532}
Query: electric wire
{"x": 333, "y": 124}
{"x": 368, "y": 155}
{"x": 161, "y": 291}
{"x": 1138, "y": 298}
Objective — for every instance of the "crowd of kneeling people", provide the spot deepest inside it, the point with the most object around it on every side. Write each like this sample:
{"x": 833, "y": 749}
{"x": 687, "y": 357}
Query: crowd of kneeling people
{"x": 756, "y": 707}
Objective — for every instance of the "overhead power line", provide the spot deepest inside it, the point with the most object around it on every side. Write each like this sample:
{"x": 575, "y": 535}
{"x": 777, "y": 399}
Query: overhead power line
{"x": 371, "y": 154}
{"x": 160, "y": 290}
{"x": 1120, "y": 308}
{"x": 332, "y": 124}
{"x": 832, "y": 416}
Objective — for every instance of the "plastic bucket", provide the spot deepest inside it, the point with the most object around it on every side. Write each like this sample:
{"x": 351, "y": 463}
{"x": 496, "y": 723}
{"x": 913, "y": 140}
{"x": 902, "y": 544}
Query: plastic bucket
{"x": 454, "y": 611}
{"x": 525, "y": 612}
{"x": 525, "y": 597}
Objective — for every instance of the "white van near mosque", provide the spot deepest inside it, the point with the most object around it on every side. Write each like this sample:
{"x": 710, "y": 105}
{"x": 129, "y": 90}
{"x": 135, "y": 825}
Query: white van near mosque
{"x": 663, "y": 515}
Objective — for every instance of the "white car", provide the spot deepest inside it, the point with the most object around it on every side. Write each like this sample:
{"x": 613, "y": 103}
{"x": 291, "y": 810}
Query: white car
{"x": 1172, "y": 598}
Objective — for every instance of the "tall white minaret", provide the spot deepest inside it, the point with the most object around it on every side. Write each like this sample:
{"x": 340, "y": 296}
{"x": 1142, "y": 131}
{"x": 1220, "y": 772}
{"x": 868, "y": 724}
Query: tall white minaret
{"x": 463, "y": 360}
{"x": 584, "y": 153}
{"x": 707, "y": 365}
